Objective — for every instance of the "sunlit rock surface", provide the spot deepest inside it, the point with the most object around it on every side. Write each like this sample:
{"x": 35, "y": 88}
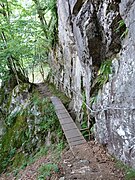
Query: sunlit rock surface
{"x": 89, "y": 34}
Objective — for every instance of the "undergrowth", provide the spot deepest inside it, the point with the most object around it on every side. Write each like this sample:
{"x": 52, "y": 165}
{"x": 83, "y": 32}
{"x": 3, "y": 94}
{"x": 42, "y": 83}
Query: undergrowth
{"x": 129, "y": 172}
{"x": 102, "y": 78}
{"x": 104, "y": 72}
{"x": 25, "y": 135}
{"x": 122, "y": 25}
{"x": 46, "y": 170}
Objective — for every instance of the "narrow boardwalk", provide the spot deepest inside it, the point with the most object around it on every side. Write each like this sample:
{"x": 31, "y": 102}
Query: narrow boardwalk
{"x": 72, "y": 133}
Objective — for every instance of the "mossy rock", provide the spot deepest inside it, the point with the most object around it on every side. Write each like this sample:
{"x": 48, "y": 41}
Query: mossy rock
{"x": 20, "y": 140}
{"x": 65, "y": 100}
{"x": 12, "y": 140}
{"x": 13, "y": 136}
{"x": 19, "y": 159}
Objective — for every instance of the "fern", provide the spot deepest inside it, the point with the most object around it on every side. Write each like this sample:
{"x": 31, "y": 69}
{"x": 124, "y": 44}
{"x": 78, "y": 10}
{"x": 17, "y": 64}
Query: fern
{"x": 104, "y": 72}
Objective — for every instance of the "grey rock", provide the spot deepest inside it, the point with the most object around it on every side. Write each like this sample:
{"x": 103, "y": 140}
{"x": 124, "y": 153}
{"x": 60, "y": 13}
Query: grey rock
{"x": 88, "y": 35}
{"x": 62, "y": 178}
{"x": 115, "y": 123}
{"x": 84, "y": 161}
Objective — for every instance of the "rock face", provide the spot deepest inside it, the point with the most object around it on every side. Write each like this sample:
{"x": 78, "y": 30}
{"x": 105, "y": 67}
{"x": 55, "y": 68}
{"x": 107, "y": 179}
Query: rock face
{"x": 115, "y": 124}
{"x": 90, "y": 33}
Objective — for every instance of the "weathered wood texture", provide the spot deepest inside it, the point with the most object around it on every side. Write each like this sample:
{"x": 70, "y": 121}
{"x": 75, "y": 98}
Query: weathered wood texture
{"x": 72, "y": 133}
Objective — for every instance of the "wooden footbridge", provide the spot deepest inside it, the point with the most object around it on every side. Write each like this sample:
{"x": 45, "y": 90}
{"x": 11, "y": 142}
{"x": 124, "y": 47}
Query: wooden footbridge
{"x": 72, "y": 133}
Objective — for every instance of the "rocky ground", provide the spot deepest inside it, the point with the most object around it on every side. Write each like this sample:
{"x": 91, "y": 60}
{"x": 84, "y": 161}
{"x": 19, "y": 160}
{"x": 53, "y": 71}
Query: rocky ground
{"x": 88, "y": 162}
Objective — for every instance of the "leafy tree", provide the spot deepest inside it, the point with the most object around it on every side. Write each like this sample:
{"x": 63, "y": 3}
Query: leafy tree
{"x": 26, "y": 36}
{"x": 47, "y": 14}
{"x": 9, "y": 44}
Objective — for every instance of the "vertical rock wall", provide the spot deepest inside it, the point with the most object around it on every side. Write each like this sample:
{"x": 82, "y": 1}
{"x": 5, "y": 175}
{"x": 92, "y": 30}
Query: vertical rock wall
{"x": 89, "y": 34}
{"x": 115, "y": 125}
{"x": 72, "y": 64}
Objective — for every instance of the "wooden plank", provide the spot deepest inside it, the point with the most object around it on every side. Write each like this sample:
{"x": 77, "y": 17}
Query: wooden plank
{"x": 56, "y": 100}
{"x": 61, "y": 111}
{"x": 69, "y": 126}
{"x": 72, "y": 133}
{"x": 59, "y": 108}
{"x": 67, "y": 129}
{"x": 64, "y": 121}
{"x": 64, "y": 116}
{"x": 59, "y": 105}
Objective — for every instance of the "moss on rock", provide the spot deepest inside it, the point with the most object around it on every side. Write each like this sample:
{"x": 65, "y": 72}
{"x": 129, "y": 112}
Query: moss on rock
{"x": 26, "y": 131}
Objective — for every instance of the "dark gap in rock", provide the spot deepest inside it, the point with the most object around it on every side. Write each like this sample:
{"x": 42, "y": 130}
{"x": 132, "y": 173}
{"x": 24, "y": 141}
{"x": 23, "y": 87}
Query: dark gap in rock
{"x": 117, "y": 32}
{"x": 70, "y": 17}
{"x": 95, "y": 42}
{"x": 94, "y": 89}
{"x": 71, "y": 65}
{"x": 71, "y": 86}
{"x": 82, "y": 88}
{"x": 98, "y": 49}
{"x": 117, "y": 1}
{"x": 92, "y": 123}
{"x": 114, "y": 6}
{"x": 77, "y": 7}
{"x": 71, "y": 108}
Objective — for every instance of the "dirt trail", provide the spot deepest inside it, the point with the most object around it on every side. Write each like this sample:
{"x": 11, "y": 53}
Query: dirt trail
{"x": 43, "y": 89}
{"x": 91, "y": 162}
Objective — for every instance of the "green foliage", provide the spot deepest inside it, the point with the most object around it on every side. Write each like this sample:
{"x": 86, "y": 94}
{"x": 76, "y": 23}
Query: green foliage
{"x": 12, "y": 140}
{"x": 19, "y": 160}
{"x": 129, "y": 172}
{"x": 130, "y": 175}
{"x": 57, "y": 149}
{"x": 84, "y": 123}
{"x": 48, "y": 115}
{"x": 84, "y": 101}
{"x": 25, "y": 41}
{"x": 102, "y": 77}
{"x": 93, "y": 99}
{"x": 12, "y": 46}
{"x": 124, "y": 33}
{"x": 121, "y": 25}
{"x": 104, "y": 72}
{"x": 46, "y": 170}
{"x": 42, "y": 152}
{"x": 85, "y": 130}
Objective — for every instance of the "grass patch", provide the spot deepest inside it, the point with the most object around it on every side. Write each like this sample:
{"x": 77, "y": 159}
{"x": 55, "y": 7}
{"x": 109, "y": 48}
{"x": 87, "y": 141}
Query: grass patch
{"x": 46, "y": 170}
{"x": 129, "y": 172}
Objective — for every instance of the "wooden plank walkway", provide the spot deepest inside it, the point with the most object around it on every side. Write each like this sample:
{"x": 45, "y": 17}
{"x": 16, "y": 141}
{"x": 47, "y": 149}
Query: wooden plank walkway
{"x": 72, "y": 133}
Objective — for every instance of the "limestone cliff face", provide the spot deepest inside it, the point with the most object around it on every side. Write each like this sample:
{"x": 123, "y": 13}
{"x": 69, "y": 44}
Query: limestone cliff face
{"x": 87, "y": 36}
{"x": 115, "y": 126}
{"x": 90, "y": 33}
